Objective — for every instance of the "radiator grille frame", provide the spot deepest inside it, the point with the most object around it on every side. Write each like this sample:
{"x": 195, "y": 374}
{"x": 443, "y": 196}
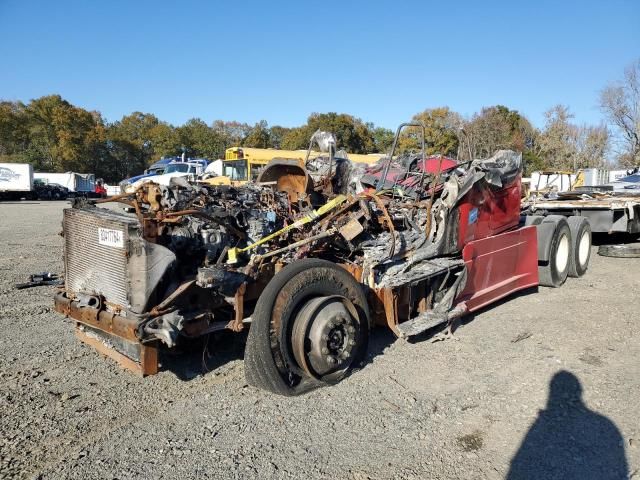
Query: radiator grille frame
{"x": 93, "y": 268}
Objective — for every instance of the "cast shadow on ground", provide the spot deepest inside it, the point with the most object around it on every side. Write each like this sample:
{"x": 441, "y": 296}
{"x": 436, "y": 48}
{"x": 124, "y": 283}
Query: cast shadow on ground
{"x": 613, "y": 238}
{"x": 201, "y": 356}
{"x": 458, "y": 323}
{"x": 569, "y": 441}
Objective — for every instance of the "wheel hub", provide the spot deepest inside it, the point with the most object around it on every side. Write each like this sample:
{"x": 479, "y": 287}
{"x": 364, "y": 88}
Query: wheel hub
{"x": 562, "y": 253}
{"x": 584, "y": 248}
{"x": 324, "y": 336}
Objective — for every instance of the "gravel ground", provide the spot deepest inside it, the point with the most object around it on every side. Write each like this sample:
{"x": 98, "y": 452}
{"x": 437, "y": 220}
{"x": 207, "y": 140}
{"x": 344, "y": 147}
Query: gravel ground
{"x": 543, "y": 385}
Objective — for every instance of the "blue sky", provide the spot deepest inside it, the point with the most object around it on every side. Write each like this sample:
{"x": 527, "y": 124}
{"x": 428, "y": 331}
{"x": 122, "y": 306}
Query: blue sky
{"x": 280, "y": 61}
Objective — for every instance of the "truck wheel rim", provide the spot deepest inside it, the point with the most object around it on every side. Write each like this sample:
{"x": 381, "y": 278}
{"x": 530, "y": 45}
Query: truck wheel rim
{"x": 324, "y": 336}
{"x": 583, "y": 248}
{"x": 562, "y": 253}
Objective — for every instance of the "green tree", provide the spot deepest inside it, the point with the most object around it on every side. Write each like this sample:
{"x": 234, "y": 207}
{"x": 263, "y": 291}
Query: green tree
{"x": 50, "y": 133}
{"x": 566, "y": 146}
{"x": 276, "y": 134}
{"x": 497, "y": 128}
{"x": 164, "y": 141}
{"x": 232, "y": 134}
{"x": 441, "y": 132}
{"x": 99, "y": 160}
{"x": 556, "y": 141}
{"x": 14, "y": 134}
{"x": 259, "y": 136}
{"x": 200, "y": 140}
{"x": 130, "y": 142}
{"x": 352, "y": 134}
{"x": 382, "y": 138}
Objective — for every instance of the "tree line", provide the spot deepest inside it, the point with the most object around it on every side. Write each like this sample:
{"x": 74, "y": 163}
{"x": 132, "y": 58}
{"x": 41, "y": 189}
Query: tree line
{"x": 54, "y": 135}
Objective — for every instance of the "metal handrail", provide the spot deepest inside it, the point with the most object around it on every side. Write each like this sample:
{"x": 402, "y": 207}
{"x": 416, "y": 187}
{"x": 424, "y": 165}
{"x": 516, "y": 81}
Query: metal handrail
{"x": 383, "y": 179}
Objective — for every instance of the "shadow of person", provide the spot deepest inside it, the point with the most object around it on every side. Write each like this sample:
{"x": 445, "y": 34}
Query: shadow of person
{"x": 569, "y": 441}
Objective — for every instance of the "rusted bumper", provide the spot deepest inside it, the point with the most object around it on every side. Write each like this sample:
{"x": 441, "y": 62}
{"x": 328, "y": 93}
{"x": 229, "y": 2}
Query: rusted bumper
{"x": 111, "y": 334}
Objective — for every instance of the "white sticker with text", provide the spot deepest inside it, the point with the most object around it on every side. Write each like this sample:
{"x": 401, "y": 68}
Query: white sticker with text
{"x": 111, "y": 238}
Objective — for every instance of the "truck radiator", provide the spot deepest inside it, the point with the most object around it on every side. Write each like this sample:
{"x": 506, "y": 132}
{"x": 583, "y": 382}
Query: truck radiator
{"x": 105, "y": 255}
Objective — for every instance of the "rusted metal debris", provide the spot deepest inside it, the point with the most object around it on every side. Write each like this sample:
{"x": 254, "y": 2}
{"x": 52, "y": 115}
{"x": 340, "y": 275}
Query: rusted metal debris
{"x": 40, "y": 279}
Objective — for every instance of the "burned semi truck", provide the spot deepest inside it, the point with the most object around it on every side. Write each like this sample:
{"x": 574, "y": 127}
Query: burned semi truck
{"x": 310, "y": 258}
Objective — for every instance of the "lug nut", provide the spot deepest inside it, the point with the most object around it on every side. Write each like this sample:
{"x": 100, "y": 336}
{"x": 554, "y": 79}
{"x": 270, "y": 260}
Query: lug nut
{"x": 325, "y": 350}
{"x": 351, "y": 329}
{"x": 352, "y": 342}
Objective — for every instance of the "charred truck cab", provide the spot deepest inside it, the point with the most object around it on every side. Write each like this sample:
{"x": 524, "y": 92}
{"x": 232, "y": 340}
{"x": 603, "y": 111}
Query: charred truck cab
{"x": 312, "y": 256}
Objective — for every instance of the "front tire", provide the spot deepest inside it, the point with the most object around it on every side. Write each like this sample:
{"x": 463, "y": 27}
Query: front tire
{"x": 310, "y": 328}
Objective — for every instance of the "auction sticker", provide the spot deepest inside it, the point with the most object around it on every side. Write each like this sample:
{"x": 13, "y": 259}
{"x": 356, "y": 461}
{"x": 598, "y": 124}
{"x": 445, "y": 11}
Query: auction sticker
{"x": 111, "y": 238}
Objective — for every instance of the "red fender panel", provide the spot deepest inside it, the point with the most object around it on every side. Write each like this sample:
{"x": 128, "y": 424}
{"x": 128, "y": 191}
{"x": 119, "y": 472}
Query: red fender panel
{"x": 499, "y": 265}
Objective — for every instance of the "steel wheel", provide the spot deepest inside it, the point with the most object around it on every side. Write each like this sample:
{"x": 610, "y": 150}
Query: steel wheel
{"x": 310, "y": 328}
{"x": 324, "y": 335}
{"x": 562, "y": 253}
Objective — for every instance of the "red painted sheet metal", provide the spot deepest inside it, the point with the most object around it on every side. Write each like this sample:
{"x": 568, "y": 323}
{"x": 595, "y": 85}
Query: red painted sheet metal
{"x": 487, "y": 211}
{"x": 499, "y": 265}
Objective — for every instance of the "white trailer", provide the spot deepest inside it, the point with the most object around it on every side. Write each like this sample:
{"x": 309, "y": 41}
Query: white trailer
{"x": 75, "y": 182}
{"x": 595, "y": 176}
{"x": 16, "y": 180}
{"x": 615, "y": 175}
{"x": 561, "y": 181}
{"x": 214, "y": 168}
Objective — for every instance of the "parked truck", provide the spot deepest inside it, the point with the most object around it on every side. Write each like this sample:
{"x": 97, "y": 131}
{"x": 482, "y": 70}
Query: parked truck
{"x": 156, "y": 168}
{"x": 311, "y": 257}
{"x": 189, "y": 169}
{"x": 16, "y": 181}
{"x": 78, "y": 184}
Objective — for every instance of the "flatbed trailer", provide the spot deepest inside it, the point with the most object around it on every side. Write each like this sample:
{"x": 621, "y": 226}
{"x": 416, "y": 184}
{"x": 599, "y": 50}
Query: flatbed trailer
{"x": 606, "y": 213}
{"x": 311, "y": 264}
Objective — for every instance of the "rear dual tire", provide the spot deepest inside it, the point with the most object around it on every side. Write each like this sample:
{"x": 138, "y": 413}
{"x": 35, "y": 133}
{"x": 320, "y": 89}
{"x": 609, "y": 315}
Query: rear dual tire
{"x": 569, "y": 250}
{"x": 581, "y": 246}
{"x": 554, "y": 272}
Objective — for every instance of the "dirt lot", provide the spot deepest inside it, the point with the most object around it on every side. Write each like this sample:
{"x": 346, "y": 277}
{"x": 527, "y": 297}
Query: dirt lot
{"x": 545, "y": 385}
